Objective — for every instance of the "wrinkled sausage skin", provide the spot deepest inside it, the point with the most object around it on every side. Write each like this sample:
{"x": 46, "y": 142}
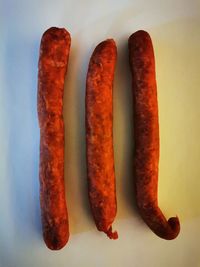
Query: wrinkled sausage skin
{"x": 99, "y": 136}
{"x": 53, "y": 61}
{"x": 146, "y": 133}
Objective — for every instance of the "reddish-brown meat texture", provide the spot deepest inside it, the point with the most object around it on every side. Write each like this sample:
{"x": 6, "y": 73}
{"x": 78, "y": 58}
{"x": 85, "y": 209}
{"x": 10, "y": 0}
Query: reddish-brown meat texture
{"x": 99, "y": 136}
{"x": 146, "y": 132}
{"x": 53, "y": 61}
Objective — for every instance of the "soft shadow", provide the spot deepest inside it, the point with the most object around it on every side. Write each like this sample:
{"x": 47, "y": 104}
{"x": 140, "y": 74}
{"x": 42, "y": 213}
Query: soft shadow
{"x": 124, "y": 133}
{"x": 23, "y": 134}
{"x": 75, "y": 151}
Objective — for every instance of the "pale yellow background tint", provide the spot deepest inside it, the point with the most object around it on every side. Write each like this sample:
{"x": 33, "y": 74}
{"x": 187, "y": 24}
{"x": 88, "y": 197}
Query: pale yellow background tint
{"x": 174, "y": 26}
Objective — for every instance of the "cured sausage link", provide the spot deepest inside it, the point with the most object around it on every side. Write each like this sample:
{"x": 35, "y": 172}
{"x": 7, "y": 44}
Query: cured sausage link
{"x": 146, "y": 133}
{"x": 99, "y": 136}
{"x": 53, "y": 61}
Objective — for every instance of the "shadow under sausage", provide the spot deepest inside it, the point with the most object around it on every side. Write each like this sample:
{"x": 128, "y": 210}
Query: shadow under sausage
{"x": 23, "y": 137}
{"x": 80, "y": 218}
{"x": 124, "y": 134}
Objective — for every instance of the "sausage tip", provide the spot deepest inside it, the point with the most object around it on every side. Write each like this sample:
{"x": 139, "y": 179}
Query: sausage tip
{"x": 56, "y": 32}
{"x": 111, "y": 234}
{"x": 106, "y": 45}
{"x": 140, "y": 34}
{"x": 175, "y": 225}
{"x": 56, "y": 237}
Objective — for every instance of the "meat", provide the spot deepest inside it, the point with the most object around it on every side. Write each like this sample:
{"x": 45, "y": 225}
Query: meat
{"x": 53, "y": 61}
{"x": 99, "y": 136}
{"x": 146, "y": 132}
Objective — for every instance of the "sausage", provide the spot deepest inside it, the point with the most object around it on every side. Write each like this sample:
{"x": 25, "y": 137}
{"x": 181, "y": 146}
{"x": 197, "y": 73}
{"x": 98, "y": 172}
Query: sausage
{"x": 146, "y": 132}
{"x": 52, "y": 67}
{"x": 99, "y": 136}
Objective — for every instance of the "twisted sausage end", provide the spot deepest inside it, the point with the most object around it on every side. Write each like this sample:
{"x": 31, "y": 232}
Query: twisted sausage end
{"x": 111, "y": 234}
{"x": 175, "y": 227}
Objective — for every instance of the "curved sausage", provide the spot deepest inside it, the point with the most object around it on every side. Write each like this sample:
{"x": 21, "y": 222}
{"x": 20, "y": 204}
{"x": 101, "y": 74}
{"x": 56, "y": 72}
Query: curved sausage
{"x": 99, "y": 136}
{"x": 53, "y": 61}
{"x": 146, "y": 132}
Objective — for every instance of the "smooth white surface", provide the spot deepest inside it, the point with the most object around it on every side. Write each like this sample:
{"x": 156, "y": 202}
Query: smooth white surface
{"x": 175, "y": 29}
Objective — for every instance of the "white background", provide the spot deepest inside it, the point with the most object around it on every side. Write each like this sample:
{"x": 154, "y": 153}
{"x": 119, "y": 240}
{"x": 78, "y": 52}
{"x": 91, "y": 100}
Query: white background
{"x": 174, "y": 26}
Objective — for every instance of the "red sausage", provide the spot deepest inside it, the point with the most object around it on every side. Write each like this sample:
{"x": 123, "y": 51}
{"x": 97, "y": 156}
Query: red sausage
{"x": 99, "y": 136}
{"x": 146, "y": 132}
{"x": 53, "y": 61}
